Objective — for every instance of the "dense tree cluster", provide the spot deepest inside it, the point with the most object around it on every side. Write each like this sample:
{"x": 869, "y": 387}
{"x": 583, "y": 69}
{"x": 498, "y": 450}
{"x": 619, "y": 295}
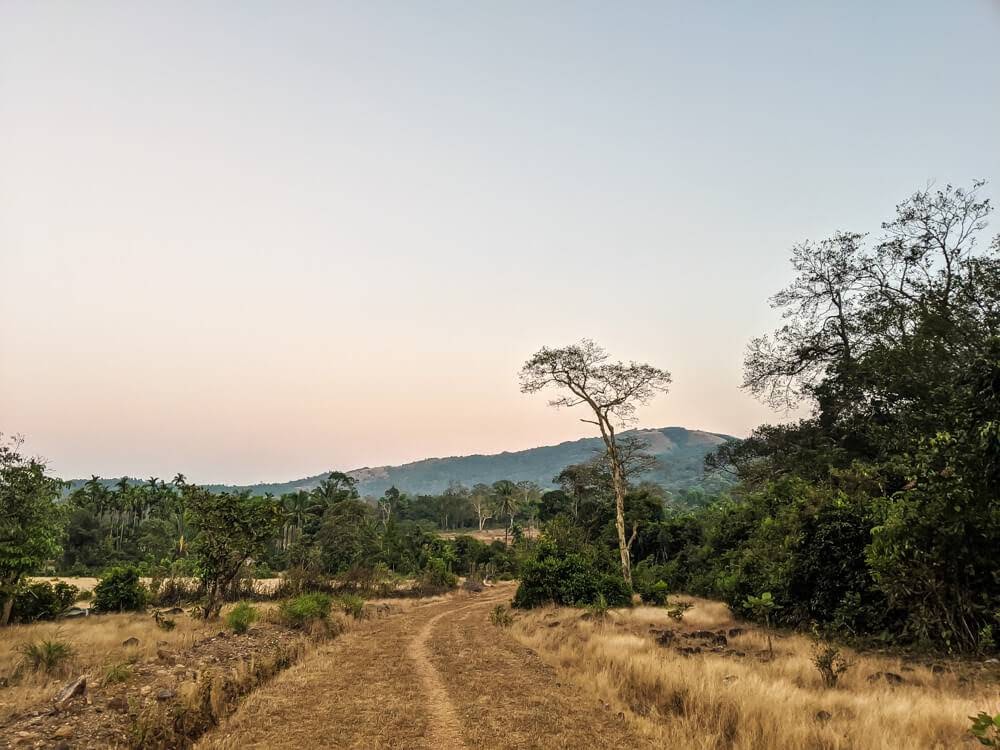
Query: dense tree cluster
{"x": 880, "y": 512}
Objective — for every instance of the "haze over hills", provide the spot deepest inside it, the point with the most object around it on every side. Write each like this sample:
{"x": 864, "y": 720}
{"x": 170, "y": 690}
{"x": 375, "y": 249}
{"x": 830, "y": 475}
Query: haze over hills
{"x": 681, "y": 453}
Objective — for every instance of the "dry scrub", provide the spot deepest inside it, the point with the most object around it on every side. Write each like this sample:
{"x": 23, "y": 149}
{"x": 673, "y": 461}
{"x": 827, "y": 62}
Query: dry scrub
{"x": 737, "y": 698}
{"x": 97, "y": 648}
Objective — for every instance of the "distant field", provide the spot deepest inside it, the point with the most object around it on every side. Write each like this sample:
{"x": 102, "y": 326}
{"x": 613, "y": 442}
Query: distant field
{"x": 486, "y": 535}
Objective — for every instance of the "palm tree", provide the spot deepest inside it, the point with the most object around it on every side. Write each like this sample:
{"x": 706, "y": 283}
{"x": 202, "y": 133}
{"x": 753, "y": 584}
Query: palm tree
{"x": 506, "y": 493}
{"x": 296, "y": 507}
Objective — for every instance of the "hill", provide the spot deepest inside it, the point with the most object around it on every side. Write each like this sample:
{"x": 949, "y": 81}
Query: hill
{"x": 681, "y": 453}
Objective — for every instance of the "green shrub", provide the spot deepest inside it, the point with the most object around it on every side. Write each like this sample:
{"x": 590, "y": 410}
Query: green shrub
{"x": 352, "y": 605}
{"x": 830, "y": 663}
{"x": 241, "y": 617}
{"x": 305, "y": 609}
{"x": 568, "y": 579}
{"x": 115, "y": 673}
{"x": 85, "y": 596}
{"x": 649, "y": 582}
{"x": 120, "y": 591}
{"x": 599, "y": 609}
{"x": 42, "y": 601}
{"x": 436, "y": 577}
{"x": 501, "y": 617}
{"x": 47, "y": 655}
{"x": 986, "y": 729}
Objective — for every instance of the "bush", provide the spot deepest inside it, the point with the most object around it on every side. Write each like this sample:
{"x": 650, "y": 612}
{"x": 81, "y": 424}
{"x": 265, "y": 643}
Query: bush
{"x": 986, "y": 729}
{"x": 115, "y": 673}
{"x": 120, "y": 591}
{"x": 352, "y": 605}
{"x": 241, "y": 617}
{"x": 47, "y": 655}
{"x": 305, "y": 610}
{"x": 174, "y": 591}
{"x": 501, "y": 617}
{"x": 568, "y": 579}
{"x": 301, "y": 580}
{"x": 436, "y": 578}
{"x": 42, "y": 601}
{"x": 829, "y": 663}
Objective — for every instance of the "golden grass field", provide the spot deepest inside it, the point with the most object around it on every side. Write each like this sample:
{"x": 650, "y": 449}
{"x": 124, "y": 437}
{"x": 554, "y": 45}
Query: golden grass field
{"x": 714, "y": 701}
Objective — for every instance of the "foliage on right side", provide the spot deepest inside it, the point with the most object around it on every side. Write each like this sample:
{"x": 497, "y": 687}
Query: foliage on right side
{"x": 879, "y": 513}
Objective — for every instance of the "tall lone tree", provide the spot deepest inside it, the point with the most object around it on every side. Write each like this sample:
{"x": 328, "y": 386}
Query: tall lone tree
{"x": 612, "y": 390}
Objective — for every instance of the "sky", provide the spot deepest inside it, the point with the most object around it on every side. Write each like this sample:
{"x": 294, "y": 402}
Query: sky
{"x": 257, "y": 241}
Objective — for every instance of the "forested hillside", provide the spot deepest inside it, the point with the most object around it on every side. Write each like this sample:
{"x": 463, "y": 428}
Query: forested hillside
{"x": 680, "y": 455}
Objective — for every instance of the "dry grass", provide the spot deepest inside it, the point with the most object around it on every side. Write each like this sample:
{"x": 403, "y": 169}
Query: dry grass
{"x": 97, "y": 645}
{"x": 716, "y": 700}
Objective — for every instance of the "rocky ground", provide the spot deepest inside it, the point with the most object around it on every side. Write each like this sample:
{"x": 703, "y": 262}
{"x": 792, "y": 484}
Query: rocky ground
{"x": 92, "y": 712}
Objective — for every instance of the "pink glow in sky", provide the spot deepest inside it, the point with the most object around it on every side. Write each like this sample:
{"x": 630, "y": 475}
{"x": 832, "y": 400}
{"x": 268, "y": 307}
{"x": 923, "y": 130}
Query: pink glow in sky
{"x": 250, "y": 244}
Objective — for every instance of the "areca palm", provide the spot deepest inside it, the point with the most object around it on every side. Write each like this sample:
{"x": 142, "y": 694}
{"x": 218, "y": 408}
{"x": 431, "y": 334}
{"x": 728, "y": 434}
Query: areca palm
{"x": 506, "y": 493}
{"x": 296, "y": 507}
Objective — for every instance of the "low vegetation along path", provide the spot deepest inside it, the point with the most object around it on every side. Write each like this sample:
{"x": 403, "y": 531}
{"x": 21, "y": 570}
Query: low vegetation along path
{"x": 435, "y": 675}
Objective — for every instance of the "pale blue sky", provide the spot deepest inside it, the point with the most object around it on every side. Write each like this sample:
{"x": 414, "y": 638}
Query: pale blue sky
{"x": 259, "y": 240}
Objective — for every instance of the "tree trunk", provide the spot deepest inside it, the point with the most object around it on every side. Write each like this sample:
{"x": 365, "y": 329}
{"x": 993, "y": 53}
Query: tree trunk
{"x": 620, "y": 490}
{"x": 8, "y": 606}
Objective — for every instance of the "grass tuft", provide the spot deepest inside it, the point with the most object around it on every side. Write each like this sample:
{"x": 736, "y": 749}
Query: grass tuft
{"x": 49, "y": 655}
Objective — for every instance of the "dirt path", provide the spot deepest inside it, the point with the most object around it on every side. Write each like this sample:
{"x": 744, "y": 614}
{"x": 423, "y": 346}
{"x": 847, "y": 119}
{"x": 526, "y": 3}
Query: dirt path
{"x": 435, "y": 676}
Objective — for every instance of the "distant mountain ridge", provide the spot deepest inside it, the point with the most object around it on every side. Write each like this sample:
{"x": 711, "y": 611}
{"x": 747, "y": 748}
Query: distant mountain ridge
{"x": 681, "y": 453}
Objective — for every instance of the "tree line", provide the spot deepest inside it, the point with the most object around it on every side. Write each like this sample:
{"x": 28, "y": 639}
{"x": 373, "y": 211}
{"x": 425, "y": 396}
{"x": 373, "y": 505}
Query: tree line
{"x": 878, "y": 514}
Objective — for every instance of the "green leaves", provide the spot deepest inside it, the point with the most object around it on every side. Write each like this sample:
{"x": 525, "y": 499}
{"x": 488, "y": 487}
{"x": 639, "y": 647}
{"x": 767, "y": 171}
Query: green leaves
{"x": 31, "y": 522}
{"x": 986, "y": 729}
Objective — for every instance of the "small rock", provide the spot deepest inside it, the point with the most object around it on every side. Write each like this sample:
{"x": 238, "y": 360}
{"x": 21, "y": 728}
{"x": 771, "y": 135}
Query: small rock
{"x": 729, "y": 679}
{"x": 161, "y": 643}
{"x": 165, "y": 694}
{"x": 665, "y": 637}
{"x": 71, "y": 690}
{"x": 118, "y": 703}
{"x": 174, "y": 611}
{"x": 165, "y": 656}
{"x": 130, "y": 642}
{"x": 937, "y": 669}
{"x": 689, "y": 650}
{"x": 64, "y": 732}
{"x": 145, "y": 690}
{"x": 733, "y": 632}
{"x": 823, "y": 716}
{"x": 992, "y": 661}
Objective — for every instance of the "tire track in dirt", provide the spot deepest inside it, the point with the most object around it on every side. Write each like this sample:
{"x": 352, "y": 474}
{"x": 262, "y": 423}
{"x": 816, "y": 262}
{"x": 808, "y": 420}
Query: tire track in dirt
{"x": 446, "y": 729}
{"x": 434, "y": 675}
